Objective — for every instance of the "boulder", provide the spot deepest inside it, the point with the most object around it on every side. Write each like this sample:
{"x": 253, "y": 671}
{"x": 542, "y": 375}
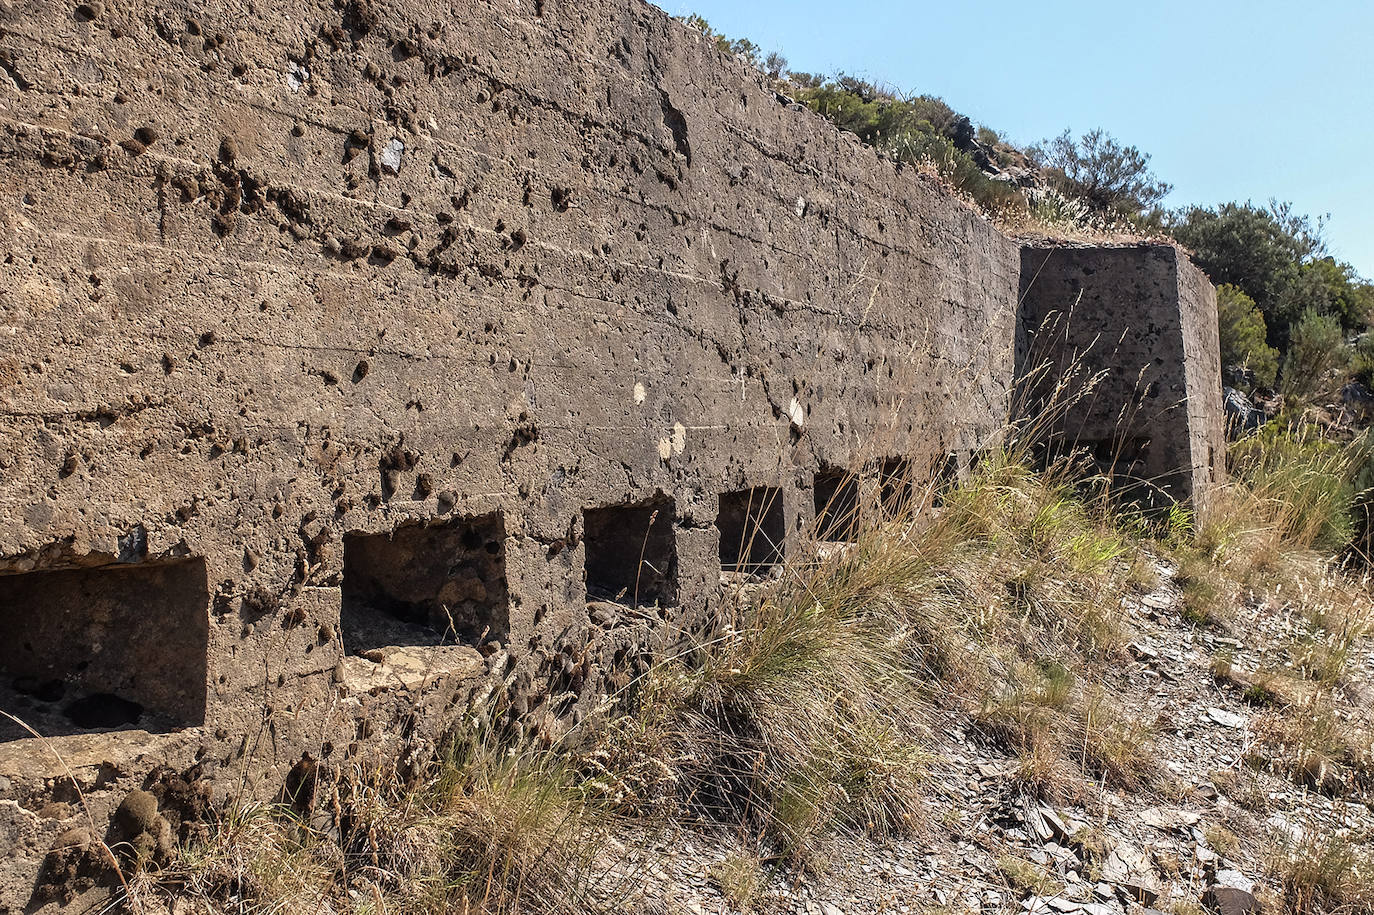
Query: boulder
{"x": 1230, "y": 900}
{"x": 1242, "y": 416}
{"x": 1356, "y": 394}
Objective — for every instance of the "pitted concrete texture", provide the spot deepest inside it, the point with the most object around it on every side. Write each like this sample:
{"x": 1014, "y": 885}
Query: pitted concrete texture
{"x": 354, "y": 355}
{"x": 1129, "y": 335}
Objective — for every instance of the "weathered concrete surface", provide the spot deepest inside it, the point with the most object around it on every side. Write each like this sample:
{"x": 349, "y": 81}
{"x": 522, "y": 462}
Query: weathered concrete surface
{"x": 538, "y": 288}
{"x": 280, "y": 277}
{"x": 1129, "y": 335}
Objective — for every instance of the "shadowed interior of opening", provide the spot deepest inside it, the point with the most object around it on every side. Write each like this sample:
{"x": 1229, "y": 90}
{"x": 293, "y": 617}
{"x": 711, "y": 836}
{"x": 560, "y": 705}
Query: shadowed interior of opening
{"x": 837, "y": 505}
{"x": 896, "y": 487}
{"x": 102, "y": 649}
{"x": 631, "y": 554}
{"x": 752, "y": 529}
{"x": 946, "y": 477}
{"x": 1119, "y": 451}
{"x": 426, "y": 584}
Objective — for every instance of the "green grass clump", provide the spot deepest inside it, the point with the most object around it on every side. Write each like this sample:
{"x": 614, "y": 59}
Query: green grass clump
{"x": 1304, "y": 483}
{"x": 803, "y": 717}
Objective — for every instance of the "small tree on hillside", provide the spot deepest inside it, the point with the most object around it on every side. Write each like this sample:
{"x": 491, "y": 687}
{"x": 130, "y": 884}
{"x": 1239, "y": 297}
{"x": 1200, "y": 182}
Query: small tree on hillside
{"x": 1242, "y": 332}
{"x": 1260, "y": 249}
{"x": 742, "y": 48}
{"x": 1334, "y": 288}
{"x": 1103, "y": 173}
{"x": 1315, "y": 349}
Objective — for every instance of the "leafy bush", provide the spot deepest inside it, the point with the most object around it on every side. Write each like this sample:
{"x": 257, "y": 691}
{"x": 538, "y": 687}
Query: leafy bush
{"x": 846, "y": 110}
{"x": 1362, "y": 360}
{"x": 957, "y": 168}
{"x": 805, "y": 80}
{"x": 741, "y": 47}
{"x": 1316, "y": 349}
{"x": 1110, "y": 177}
{"x": 1242, "y": 332}
{"x": 1111, "y": 180}
{"x": 1255, "y": 248}
{"x": 1277, "y": 258}
{"x": 875, "y": 114}
{"x": 774, "y": 64}
{"x": 1335, "y": 289}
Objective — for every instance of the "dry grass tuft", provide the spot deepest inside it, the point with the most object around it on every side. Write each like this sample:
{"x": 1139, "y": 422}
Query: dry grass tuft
{"x": 1319, "y": 745}
{"x": 802, "y": 718}
{"x": 1028, "y": 878}
{"x": 738, "y": 875}
{"x": 1324, "y": 874}
{"x": 807, "y": 714}
{"x": 1243, "y": 787}
{"x": 1259, "y": 547}
{"x": 492, "y": 828}
{"x": 1062, "y": 732}
{"x": 1301, "y": 483}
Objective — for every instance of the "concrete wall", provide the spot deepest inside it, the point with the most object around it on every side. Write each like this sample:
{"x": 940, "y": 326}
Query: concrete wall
{"x": 1103, "y": 332}
{"x": 351, "y": 356}
{"x": 276, "y": 283}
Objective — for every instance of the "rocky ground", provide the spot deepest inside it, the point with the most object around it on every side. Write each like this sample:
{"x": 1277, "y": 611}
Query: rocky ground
{"x": 1204, "y": 839}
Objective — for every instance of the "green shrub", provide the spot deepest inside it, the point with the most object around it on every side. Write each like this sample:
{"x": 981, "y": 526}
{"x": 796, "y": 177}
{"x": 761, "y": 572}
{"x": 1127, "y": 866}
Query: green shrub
{"x": 1316, "y": 348}
{"x": 1335, "y": 289}
{"x": 1259, "y": 249}
{"x": 1362, "y": 359}
{"x": 911, "y": 130}
{"x": 739, "y": 47}
{"x": 1242, "y": 331}
{"x": 958, "y": 168}
{"x": 1097, "y": 169}
{"x": 846, "y": 110}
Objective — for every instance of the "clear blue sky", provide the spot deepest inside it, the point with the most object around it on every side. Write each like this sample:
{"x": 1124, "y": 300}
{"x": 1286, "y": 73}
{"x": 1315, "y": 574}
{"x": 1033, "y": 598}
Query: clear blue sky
{"x": 1233, "y": 99}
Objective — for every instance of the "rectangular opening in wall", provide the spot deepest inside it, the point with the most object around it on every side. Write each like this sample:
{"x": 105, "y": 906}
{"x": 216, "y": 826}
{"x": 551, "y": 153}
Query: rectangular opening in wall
{"x": 1123, "y": 454}
{"x": 837, "y": 505}
{"x": 426, "y": 584}
{"x": 948, "y": 471}
{"x": 752, "y": 530}
{"x": 896, "y": 488}
{"x": 104, "y": 649}
{"x": 631, "y": 553}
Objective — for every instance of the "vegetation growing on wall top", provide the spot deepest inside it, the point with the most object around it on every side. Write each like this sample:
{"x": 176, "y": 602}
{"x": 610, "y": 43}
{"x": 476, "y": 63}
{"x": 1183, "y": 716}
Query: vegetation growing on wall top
{"x": 1281, "y": 289}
